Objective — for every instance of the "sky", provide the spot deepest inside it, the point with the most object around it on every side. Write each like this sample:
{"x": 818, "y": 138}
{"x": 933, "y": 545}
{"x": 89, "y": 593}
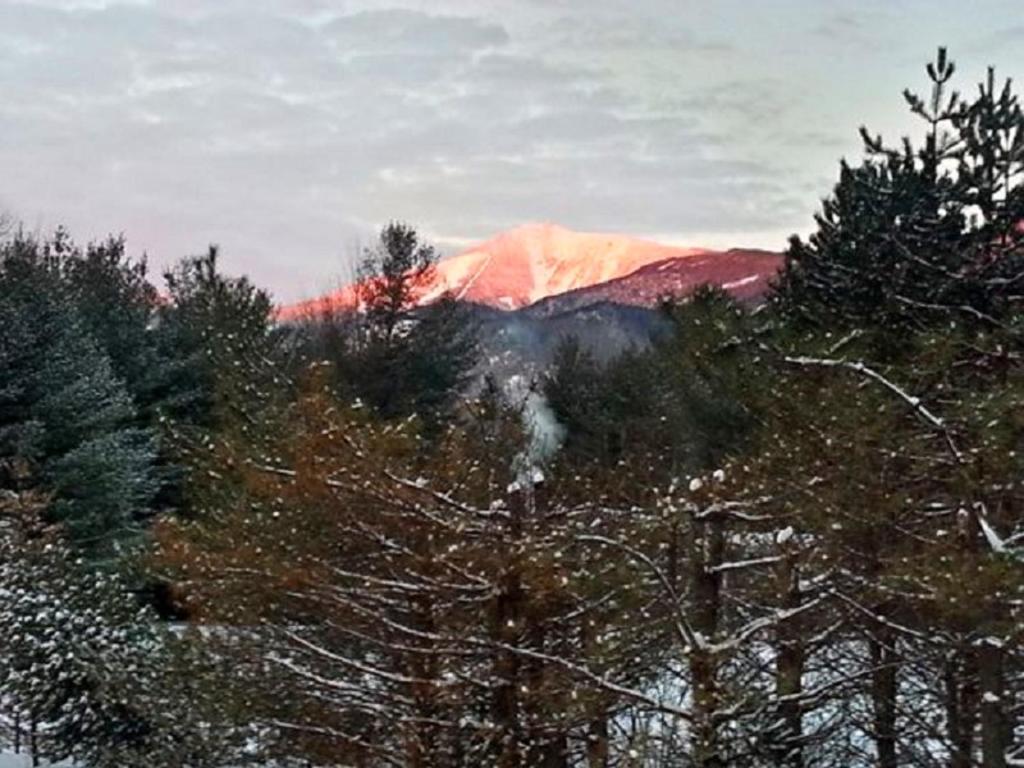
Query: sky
{"x": 289, "y": 131}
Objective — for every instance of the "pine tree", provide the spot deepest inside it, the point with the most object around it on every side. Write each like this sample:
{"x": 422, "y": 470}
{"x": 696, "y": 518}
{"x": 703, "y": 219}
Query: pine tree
{"x": 214, "y": 330}
{"x": 609, "y": 411}
{"x": 66, "y": 422}
{"x": 391, "y": 277}
{"x": 917, "y": 236}
{"x": 220, "y": 353}
{"x": 88, "y": 669}
{"x": 117, "y": 305}
{"x": 926, "y": 242}
{"x": 443, "y": 587}
{"x": 399, "y": 358}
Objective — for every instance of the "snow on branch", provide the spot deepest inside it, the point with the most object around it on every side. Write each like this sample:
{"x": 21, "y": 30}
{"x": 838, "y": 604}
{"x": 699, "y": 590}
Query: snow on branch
{"x": 914, "y": 402}
{"x": 683, "y": 629}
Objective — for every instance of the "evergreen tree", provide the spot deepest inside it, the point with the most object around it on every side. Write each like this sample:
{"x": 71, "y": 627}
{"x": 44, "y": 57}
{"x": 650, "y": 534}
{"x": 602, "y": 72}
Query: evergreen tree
{"x": 391, "y": 279}
{"x": 914, "y": 236}
{"x": 614, "y": 410}
{"x": 214, "y": 330}
{"x": 392, "y": 354}
{"x": 85, "y": 669}
{"x": 66, "y": 421}
{"x": 217, "y": 337}
{"x": 714, "y": 378}
{"x": 442, "y": 588}
{"x": 572, "y": 387}
{"x": 117, "y": 305}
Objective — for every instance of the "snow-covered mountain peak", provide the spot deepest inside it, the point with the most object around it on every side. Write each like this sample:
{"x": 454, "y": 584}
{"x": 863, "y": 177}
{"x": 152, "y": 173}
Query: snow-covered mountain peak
{"x": 534, "y": 261}
{"x": 528, "y": 263}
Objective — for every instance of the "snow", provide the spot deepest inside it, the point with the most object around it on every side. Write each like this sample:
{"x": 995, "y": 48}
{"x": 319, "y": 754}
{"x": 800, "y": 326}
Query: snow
{"x": 10, "y": 759}
{"x": 458, "y": 275}
{"x": 741, "y": 282}
{"x": 994, "y": 540}
{"x": 529, "y": 263}
{"x": 535, "y": 261}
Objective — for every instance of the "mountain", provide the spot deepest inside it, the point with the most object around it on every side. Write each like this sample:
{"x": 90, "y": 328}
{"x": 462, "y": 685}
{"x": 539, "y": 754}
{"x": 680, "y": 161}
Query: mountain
{"x": 535, "y": 262}
{"x": 745, "y": 273}
{"x": 529, "y": 263}
{"x": 525, "y": 264}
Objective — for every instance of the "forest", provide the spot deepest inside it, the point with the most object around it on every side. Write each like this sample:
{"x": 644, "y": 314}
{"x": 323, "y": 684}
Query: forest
{"x": 782, "y": 534}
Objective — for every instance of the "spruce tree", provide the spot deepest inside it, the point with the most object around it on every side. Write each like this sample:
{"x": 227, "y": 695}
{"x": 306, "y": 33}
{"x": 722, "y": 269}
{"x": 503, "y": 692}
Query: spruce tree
{"x": 117, "y": 305}
{"x": 223, "y": 378}
{"x": 212, "y": 331}
{"x": 66, "y": 421}
{"x": 87, "y": 671}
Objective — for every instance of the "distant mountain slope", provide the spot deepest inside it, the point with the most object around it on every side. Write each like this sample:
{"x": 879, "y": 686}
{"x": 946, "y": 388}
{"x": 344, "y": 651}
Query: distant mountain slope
{"x": 744, "y": 273}
{"x": 526, "y": 264}
{"x": 529, "y": 263}
{"x": 517, "y": 342}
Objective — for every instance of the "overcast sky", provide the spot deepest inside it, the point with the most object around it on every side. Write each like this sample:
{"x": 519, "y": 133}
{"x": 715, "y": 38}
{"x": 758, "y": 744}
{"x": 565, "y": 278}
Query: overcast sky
{"x": 288, "y": 131}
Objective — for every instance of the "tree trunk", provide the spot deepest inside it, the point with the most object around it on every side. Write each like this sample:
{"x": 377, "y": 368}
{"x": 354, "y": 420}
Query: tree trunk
{"x": 33, "y": 744}
{"x": 505, "y": 707}
{"x": 597, "y": 742}
{"x": 884, "y": 689}
{"x": 547, "y": 742}
{"x": 787, "y": 748}
{"x": 962, "y": 695}
{"x": 597, "y": 727}
{"x": 424, "y": 745}
{"x": 708, "y": 548}
{"x": 961, "y": 707}
{"x": 706, "y": 752}
{"x": 552, "y": 751}
{"x": 506, "y": 628}
{"x": 995, "y": 730}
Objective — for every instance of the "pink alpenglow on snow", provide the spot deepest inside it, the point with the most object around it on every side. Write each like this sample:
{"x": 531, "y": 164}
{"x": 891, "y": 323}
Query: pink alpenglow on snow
{"x": 534, "y": 262}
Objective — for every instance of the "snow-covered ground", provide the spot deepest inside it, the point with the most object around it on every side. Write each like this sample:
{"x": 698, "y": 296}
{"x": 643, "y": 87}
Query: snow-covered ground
{"x": 11, "y": 760}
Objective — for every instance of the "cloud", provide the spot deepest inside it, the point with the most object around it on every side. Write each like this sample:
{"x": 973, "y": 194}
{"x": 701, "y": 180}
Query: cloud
{"x": 289, "y": 129}
{"x": 406, "y": 31}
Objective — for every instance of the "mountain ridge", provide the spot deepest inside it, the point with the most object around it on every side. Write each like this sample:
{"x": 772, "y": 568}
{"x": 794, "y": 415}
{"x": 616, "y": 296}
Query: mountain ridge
{"x": 745, "y": 273}
{"x": 537, "y": 262}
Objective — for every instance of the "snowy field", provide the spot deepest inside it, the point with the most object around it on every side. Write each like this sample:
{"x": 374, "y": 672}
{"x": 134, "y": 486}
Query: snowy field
{"x": 11, "y": 760}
